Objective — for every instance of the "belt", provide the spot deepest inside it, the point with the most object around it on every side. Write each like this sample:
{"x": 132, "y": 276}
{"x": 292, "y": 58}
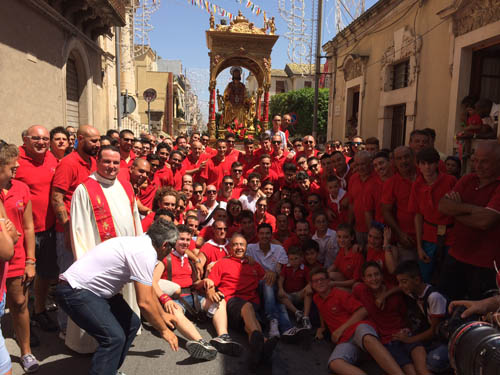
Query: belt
{"x": 448, "y": 226}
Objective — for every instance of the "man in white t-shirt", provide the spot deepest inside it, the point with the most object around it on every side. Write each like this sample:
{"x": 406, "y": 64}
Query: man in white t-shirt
{"x": 89, "y": 293}
{"x": 249, "y": 199}
{"x": 272, "y": 257}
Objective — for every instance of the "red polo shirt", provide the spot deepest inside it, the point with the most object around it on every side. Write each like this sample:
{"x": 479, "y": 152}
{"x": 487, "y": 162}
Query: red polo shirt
{"x": 38, "y": 177}
{"x": 336, "y": 309}
{"x": 147, "y": 221}
{"x": 269, "y": 219}
{"x": 424, "y": 200}
{"x": 372, "y": 196}
{"x": 147, "y": 194}
{"x": 248, "y": 162}
{"x": 277, "y": 163}
{"x": 215, "y": 170}
{"x": 356, "y": 192}
{"x": 213, "y": 251}
{"x": 126, "y": 164}
{"x": 388, "y": 321}
{"x": 188, "y": 164}
{"x": 15, "y": 201}
{"x": 396, "y": 191}
{"x": 294, "y": 280}
{"x": 349, "y": 264}
{"x": 237, "y": 278}
{"x": 475, "y": 246}
{"x": 71, "y": 172}
{"x": 169, "y": 178}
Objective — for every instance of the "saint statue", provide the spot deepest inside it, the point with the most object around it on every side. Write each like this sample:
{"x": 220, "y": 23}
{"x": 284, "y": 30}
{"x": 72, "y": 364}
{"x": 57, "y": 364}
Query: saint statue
{"x": 234, "y": 99}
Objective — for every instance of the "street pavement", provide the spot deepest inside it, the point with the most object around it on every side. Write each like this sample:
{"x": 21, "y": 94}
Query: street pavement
{"x": 150, "y": 355}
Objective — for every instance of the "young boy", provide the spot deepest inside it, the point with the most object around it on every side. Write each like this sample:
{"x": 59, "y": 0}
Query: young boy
{"x": 344, "y": 315}
{"x": 292, "y": 282}
{"x": 430, "y": 309}
{"x": 389, "y": 318}
{"x": 337, "y": 205}
{"x": 310, "y": 249}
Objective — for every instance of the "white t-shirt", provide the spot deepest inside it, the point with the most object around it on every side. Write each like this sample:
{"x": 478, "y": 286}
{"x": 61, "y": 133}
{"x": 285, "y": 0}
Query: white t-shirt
{"x": 328, "y": 247}
{"x": 248, "y": 202}
{"x": 275, "y": 255}
{"x": 106, "y": 268}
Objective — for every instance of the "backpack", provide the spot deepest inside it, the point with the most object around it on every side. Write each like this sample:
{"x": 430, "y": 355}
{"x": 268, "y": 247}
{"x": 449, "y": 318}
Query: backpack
{"x": 417, "y": 319}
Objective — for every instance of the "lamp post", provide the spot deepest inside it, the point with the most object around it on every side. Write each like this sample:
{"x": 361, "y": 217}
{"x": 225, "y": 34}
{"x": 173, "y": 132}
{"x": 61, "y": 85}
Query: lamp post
{"x": 149, "y": 96}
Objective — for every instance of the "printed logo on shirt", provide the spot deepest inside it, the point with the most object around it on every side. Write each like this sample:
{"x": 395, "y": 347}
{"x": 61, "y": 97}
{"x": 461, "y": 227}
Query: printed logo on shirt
{"x": 20, "y": 205}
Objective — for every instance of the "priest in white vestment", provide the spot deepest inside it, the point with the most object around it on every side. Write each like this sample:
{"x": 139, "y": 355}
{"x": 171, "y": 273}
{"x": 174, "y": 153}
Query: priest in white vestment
{"x": 100, "y": 211}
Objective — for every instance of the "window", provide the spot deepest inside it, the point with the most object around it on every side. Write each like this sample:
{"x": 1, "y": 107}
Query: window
{"x": 280, "y": 87}
{"x": 400, "y": 74}
{"x": 398, "y": 126}
{"x": 307, "y": 84}
{"x": 72, "y": 94}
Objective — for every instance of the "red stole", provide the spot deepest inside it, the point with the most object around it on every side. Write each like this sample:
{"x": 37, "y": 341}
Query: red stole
{"x": 100, "y": 206}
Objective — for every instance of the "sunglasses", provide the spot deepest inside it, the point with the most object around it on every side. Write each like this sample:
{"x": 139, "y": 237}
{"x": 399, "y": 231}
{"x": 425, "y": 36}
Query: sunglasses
{"x": 238, "y": 170}
{"x": 211, "y": 191}
{"x": 309, "y": 142}
{"x": 198, "y": 192}
{"x": 313, "y": 166}
{"x": 228, "y": 183}
{"x": 276, "y": 142}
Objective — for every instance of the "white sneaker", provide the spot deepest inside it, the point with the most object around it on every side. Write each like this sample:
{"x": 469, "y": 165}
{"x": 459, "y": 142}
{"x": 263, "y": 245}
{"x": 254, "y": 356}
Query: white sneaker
{"x": 273, "y": 328}
{"x": 299, "y": 314}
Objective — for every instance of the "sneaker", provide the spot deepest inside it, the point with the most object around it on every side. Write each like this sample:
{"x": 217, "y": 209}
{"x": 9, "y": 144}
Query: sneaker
{"x": 269, "y": 347}
{"x": 201, "y": 350}
{"x": 62, "y": 335}
{"x": 294, "y": 334}
{"x": 45, "y": 322}
{"x": 273, "y": 328}
{"x": 29, "y": 363}
{"x": 225, "y": 344}
{"x": 299, "y": 315}
{"x": 256, "y": 349}
{"x": 306, "y": 323}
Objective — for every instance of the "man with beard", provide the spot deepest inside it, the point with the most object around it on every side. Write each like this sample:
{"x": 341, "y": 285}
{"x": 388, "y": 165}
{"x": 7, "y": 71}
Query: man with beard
{"x": 71, "y": 172}
{"x": 102, "y": 207}
{"x": 127, "y": 156}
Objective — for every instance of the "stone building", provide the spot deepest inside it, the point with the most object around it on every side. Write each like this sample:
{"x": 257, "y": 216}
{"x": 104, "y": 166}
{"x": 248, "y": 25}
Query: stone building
{"x": 406, "y": 64}
{"x": 57, "y": 63}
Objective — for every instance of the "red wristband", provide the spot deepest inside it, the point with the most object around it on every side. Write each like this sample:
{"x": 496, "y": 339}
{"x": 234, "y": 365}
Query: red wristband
{"x": 164, "y": 298}
{"x": 29, "y": 258}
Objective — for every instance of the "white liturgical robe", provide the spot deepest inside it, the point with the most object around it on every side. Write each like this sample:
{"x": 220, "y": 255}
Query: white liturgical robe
{"x": 85, "y": 236}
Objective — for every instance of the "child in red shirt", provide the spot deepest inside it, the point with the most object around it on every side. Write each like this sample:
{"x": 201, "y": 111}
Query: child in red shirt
{"x": 337, "y": 205}
{"x": 292, "y": 282}
{"x": 382, "y": 255}
{"x": 346, "y": 270}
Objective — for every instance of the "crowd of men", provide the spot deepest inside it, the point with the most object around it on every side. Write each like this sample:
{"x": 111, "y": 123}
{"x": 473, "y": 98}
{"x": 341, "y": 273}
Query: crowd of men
{"x": 361, "y": 246}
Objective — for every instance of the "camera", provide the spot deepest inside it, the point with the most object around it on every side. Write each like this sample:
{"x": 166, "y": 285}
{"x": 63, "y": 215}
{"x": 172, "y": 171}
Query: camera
{"x": 474, "y": 345}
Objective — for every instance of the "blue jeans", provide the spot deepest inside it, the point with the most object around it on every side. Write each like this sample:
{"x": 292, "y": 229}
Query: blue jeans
{"x": 272, "y": 308}
{"x": 110, "y": 321}
{"x": 5, "y": 362}
{"x": 437, "y": 357}
{"x": 427, "y": 269}
{"x": 64, "y": 260}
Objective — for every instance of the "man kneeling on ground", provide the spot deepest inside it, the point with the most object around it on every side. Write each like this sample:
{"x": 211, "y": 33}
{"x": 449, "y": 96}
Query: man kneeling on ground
{"x": 89, "y": 293}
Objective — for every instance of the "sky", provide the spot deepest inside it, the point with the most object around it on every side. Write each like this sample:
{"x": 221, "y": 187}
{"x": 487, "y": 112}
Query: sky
{"x": 179, "y": 34}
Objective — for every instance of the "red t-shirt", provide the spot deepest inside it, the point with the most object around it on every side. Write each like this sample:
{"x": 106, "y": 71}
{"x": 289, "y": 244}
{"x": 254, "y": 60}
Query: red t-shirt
{"x": 237, "y": 278}
{"x": 349, "y": 264}
{"x": 215, "y": 170}
{"x": 71, "y": 172}
{"x": 424, "y": 199}
{"x": 214, "y": 252}
{"x": 188, "y": 164}
{"x": 15, "y": 202}
{"x": 277, "y": 163}
{"x": 147, "y": 221}
{"x": 357, "y": 189}
{"x": 207, "y": 233}
{"x": 269, "y": 219}
{"x": 271, "y": 176}
{"x": 294, "y": 280}
{"x": 396, "y": 191}
{"x": 293, "y": 240}
{"x": 170, "y": 178}
{"x": 388, "y": 321}
{"x": 126, "y": 164}
{"x": 248, "y": 162}
{"x": 475, "y": 246}
{"x": 38, "y": 177}
{"x": 181, "y": 275}
{"x": 378, "y": 256}
{"x": 372, "y": 196}
{"x": 147, "y": 194}
{"x": 336, "y": 309}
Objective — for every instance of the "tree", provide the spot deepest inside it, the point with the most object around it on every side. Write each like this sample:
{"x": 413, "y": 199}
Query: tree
{"x": 301, "y": 102}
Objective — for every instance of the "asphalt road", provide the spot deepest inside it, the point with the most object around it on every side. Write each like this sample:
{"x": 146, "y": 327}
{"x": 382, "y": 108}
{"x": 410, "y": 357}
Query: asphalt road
{"x": 151, "y": 355}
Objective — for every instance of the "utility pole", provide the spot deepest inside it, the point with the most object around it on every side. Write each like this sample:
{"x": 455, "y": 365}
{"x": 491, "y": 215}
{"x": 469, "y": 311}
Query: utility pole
{"x": 318, "y": 68}
{"x": 118, "y": 83}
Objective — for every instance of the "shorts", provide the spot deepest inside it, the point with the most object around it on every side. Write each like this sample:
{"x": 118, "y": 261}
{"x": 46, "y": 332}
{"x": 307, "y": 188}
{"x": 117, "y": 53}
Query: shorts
{"x": 65, "y": 257}
{"x": 405, "y": 254}
{"x": 5, "y": 362}
{"x": 46, "y": 254}
{"x": 427, "y": 269}
{"x": 168, "y": 287}
{"x": 190, "y": 301}
{"x": 234, "y": 306}
{"x": 401, "y": 352}
{"x": 352, "y": 350}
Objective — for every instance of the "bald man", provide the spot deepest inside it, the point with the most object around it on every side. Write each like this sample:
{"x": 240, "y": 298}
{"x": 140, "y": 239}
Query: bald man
{"x": 36, "y": 169}
{"x": 468, "y": 270}
{"x": 71, "y": 172}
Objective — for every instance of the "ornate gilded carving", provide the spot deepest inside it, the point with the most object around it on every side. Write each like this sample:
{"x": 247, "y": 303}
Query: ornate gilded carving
{"x": 473, "y": 14}
{"x": 212, "y": 21}
{"x": 241, "y": 25}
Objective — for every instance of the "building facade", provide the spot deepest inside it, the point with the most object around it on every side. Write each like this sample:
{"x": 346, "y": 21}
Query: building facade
{"x": 405, "y": 65}
{"x": 57, "y": 63}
